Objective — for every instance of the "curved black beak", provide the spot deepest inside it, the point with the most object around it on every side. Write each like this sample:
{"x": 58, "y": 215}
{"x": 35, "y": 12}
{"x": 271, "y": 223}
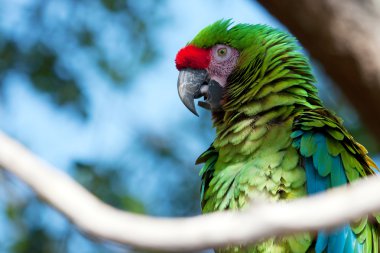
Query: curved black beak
{"x": 189, "y": 86}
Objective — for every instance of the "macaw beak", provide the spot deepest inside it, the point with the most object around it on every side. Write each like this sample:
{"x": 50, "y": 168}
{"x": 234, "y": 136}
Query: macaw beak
{"x": 195, "y": 83}
{"x": 189, "y": 86}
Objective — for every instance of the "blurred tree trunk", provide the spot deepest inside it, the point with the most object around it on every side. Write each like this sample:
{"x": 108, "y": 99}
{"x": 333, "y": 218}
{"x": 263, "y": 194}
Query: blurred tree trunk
{"x": 344, "y": 36}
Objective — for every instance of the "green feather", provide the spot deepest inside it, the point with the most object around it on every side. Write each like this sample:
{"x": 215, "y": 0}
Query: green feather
{"x": 308, "y": 145}
{"x": 271, "y": 121}
{"x": 334, "y": 147}
{"x": 358, "y": 227}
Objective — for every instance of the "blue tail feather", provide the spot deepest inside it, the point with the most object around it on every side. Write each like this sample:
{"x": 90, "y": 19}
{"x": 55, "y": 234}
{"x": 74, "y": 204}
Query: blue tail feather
{"x": 324, "y": 171}
{"x": 337, "y": 240}
{"x": 321, "y": 244}
{"x": 315, "y": 183}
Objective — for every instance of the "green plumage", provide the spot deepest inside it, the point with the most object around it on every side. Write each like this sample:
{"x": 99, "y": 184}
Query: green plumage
{"x": 275, "y": 140}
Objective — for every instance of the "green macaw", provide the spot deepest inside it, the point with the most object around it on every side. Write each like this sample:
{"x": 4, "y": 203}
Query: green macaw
{"x": 274, "y": 139}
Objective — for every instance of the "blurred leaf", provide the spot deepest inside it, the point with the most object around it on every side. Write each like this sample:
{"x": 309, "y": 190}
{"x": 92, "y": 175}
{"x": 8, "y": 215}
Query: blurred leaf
{"x": 37, "y": 240}
{"x": 53, "y": 45}
{"x": 45, "y": 48}
{"x": 85, "y": 37}
{"x": 114, "y": 5}
{"x": 107, "y": 184}
{"x": 116, "y": 76}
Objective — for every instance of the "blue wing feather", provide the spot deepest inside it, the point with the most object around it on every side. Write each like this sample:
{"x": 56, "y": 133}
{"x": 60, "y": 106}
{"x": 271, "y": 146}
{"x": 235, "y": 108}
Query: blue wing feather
{"x": 314, "y": 182}
{"x": 322, "y": 240}
{"x": 338, "y": 177}
{"x": 324, "y": 171}
{"x": 331, "y": 158}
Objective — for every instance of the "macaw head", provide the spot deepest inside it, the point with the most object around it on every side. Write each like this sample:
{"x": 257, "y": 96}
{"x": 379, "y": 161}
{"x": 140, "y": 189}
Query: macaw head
{"x": 228, "y": 65}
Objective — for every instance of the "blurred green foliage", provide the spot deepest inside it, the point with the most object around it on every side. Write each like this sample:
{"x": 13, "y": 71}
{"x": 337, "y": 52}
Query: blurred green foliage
{"x": 45, "y": 43}
{"x": 107, "y": 184}
{"x": 49, "y": 46}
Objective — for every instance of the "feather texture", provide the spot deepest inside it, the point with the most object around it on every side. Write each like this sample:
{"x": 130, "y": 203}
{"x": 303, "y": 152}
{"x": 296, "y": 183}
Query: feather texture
{"x": 328, "y": 164}
{"x": 275, "y": 140}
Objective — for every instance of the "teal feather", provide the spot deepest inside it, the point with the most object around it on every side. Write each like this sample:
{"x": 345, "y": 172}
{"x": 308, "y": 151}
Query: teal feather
{"x": 337, "y": 240}
{"x": 321, "y": 158}
{"x": 323, "y": 171}
{"x": 296, "y": 134}
{"x": 307, "y": 147}
{"x": 321, "y": 244}
{"x": 349, "y": 247}
{"x": 338, "y": 177}
{"x": 315, "y": 182}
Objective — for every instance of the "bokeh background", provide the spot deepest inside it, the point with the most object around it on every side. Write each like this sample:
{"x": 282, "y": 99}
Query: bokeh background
{"x": 90, "y": 86}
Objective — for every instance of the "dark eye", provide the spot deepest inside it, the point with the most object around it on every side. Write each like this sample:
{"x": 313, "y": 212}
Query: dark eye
{"x": 222, "y": 51}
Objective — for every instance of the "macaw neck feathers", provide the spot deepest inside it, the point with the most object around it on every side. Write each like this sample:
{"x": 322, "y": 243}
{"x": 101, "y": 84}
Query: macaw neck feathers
{"x": 274, "y": 81}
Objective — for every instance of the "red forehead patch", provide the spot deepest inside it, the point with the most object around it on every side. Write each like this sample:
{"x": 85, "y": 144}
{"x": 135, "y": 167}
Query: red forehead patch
{"x": 192, "y": 57}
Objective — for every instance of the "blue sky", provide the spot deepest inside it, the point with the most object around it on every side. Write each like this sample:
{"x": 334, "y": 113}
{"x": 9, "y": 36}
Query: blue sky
{"x": 113, "y": 111}
{"x": 116, "y": 114}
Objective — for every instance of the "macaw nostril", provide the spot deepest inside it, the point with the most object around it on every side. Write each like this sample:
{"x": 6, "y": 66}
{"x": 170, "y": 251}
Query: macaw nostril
{"x": 204, "y": 89}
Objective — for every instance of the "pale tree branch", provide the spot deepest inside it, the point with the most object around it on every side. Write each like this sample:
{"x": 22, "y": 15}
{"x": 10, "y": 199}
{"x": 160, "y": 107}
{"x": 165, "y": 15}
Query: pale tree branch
{"x": 260, "y": 221}
{"x": 344, "y": 36}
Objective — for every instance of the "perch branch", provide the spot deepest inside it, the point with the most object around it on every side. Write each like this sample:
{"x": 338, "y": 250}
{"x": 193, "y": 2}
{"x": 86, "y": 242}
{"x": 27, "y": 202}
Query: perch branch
{"x": 260, "y": 221}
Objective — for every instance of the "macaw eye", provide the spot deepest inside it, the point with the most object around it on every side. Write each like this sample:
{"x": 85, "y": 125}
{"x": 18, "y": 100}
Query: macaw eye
{"x": 222, "y": 51}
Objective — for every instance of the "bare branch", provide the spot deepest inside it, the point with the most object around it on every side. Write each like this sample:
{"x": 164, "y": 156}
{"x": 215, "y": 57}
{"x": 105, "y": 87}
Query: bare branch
{"x": 260, "y": 221}
{"x": 345, "y": 37}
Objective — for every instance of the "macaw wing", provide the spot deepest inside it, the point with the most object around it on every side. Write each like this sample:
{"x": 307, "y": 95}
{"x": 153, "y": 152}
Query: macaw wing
{"x": 331, "y": 158}
{"x": 209, "y": 158}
